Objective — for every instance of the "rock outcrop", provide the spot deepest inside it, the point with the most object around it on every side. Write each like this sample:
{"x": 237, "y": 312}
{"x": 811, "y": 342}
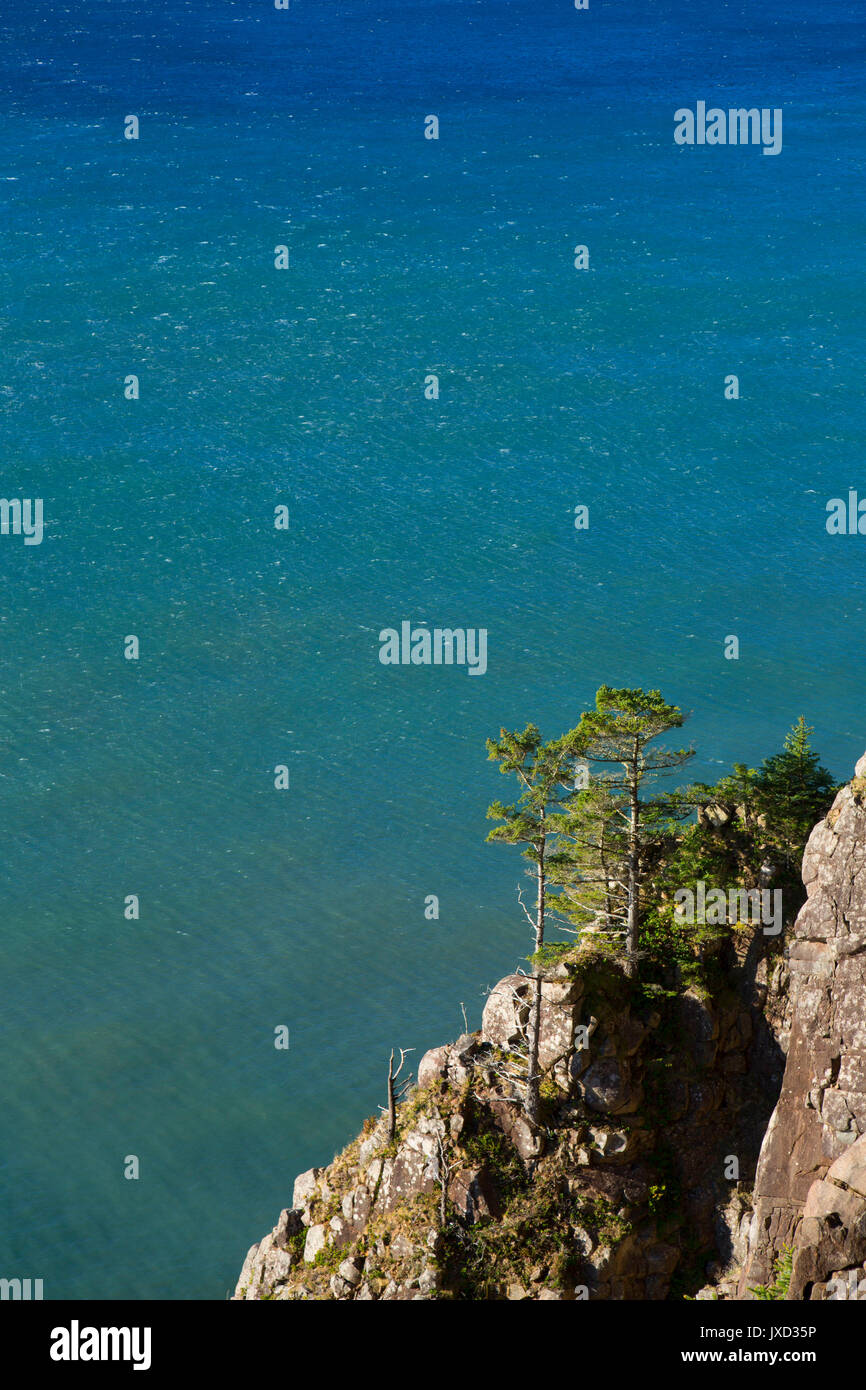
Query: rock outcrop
{"x": 637, "y": 1181}
{"x": 830, "y": 1245}
{"x": 811, "y": 1178}
{"x": 647, "y": 1095}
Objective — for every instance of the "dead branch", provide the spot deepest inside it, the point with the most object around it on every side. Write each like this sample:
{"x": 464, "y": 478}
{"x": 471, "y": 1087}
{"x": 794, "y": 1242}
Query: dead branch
{"x": 395, "y": 1093}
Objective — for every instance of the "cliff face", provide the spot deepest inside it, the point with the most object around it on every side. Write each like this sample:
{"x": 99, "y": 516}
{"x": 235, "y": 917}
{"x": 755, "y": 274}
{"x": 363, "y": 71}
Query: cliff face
{"x": 813, "y": 1159}
{"x": 637, "y": 1182}
{"x": 648, "y": 1095}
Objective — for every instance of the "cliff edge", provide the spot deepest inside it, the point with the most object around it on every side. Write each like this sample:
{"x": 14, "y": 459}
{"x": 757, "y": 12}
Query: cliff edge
{"x": 676, "y": 1143}
{"x": 616, "y": 1194}
{"x": 810, "y": 1187}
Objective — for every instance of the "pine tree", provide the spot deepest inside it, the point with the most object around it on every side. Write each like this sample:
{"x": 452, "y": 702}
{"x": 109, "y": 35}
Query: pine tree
{"x": 591, "y": 866}
{"x": 617, "y": 734}
{"x": 546, "y": 775}
{"x": 793, "y": 792}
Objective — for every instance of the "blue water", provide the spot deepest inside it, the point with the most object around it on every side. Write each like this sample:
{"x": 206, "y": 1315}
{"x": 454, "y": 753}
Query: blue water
{"x": 259, "y": 647}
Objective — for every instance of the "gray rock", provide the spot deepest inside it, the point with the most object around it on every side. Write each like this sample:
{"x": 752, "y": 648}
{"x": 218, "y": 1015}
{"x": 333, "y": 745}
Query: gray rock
{"x": 822, "y": 1107}
{"x": 506, "y": 1012}
{"x": 832, "y": 1234}
{"x": 606, "y": 1087}
{"x": 473, "y": 1195}
{"x": 350, "y": 1271}
{"x": 317, "y": 1237}
{"x": 289, "y": 1224}
{"x": 306, "y": 1188}
{"x": 432, "y": 1066}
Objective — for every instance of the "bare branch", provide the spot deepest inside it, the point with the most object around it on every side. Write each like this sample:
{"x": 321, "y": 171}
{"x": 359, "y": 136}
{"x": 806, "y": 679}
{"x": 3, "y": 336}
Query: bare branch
{"x": 527, "y": 914}
{"x": 393, "y": 1095}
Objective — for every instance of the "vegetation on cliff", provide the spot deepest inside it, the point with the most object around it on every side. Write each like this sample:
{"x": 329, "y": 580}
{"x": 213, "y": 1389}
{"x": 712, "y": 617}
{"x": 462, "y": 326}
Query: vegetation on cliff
{"x": 611, "y": 853}
{"x": 583, "y": 1143}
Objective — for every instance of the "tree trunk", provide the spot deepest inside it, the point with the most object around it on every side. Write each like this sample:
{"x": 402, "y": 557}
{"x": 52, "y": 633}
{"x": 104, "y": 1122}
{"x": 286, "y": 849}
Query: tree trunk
{"x": 443, "y": 1182}
{"x": 633, "y": 867}
{"x": 605, "y": 872}
{"x": 533, "y": 1078}
{"x": 392, "y": 1101}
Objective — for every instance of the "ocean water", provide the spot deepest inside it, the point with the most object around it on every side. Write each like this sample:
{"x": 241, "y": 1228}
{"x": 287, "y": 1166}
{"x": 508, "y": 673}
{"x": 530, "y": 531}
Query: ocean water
{"x": 605, "y": 388}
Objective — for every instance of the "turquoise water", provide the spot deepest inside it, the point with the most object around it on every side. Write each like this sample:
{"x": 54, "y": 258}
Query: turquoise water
{"x": 258, "y": 647}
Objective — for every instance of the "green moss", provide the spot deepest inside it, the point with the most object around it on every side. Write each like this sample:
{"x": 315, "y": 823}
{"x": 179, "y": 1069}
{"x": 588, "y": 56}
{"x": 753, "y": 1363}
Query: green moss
{"x": 295, "y": 1246}
{"x": 486, "y": 1146}
{"x": 600, "y": 1218}
{"x": 329, "y": 1258}
{"x": 550, "y": 955}
{"x": 533, "y": 1236}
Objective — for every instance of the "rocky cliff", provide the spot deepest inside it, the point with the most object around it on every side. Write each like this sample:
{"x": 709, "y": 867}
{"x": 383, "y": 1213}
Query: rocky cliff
{"x": 637, "y": 1182}
{"x": 810, "y": 1187}
{"x": 648, "y": 1096}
